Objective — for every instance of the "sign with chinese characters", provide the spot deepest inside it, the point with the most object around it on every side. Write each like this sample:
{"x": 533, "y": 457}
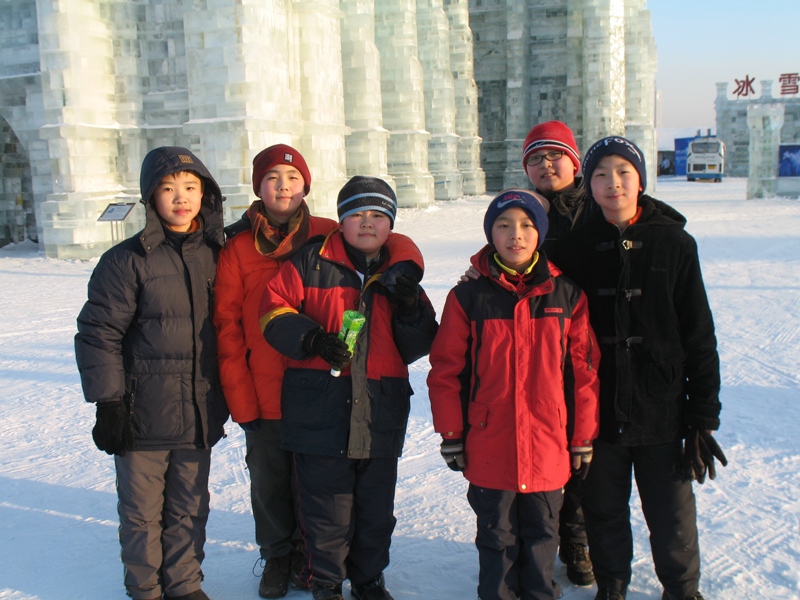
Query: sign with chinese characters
{"x": 790, "y": 85}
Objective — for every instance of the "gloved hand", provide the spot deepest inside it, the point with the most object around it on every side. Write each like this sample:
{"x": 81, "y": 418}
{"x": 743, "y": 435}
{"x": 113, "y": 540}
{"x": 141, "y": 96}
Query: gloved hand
{"x": 112, "y": 432}
{"x": 329, "y": 347}
{"x": 699, "y": 451}
{"x": 402, "y": 282}
{"x": 453, "y": 454}
{"x": 251, "y": 426}
{"x": 581, "y": 459}
{"x": 405, "y": 295}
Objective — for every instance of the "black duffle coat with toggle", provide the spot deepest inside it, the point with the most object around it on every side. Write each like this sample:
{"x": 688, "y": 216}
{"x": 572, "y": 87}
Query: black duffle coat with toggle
{"x": 659, "y": 372}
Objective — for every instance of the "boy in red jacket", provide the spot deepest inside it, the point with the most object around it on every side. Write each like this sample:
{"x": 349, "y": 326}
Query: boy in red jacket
{"x": 272, "y": 230}
{"x": 514, "y": 356}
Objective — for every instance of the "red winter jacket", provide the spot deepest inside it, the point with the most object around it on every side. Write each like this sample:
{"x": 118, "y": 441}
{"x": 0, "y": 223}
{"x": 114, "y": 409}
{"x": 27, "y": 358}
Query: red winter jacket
{"x": 518, "y": 369}
{"x": 251, "y": 370}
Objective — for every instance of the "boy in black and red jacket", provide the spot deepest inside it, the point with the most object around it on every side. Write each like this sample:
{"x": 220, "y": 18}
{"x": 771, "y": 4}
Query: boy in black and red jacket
{"x": 347, "y": 432}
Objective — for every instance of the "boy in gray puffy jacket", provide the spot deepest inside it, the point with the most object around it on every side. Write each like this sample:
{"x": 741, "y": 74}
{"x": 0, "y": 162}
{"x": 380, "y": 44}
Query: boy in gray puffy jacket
{"x": 146, "y": 353}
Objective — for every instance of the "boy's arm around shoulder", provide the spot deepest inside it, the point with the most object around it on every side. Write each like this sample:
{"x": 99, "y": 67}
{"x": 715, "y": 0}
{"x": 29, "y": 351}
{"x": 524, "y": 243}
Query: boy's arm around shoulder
{"x": 582, "y": 387}
{"x": 235, "y": 375}
{"x": 281, "y": 322}
{"x": 102, "y": 324}
{"x": 414, "y": 333}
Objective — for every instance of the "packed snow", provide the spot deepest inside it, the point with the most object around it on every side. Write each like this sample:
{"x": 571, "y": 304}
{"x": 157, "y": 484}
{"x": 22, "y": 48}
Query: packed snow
{"x": 58, "y": 516}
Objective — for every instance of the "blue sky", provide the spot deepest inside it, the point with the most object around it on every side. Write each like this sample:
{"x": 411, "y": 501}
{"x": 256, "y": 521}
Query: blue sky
{"x": 702, "y": 42}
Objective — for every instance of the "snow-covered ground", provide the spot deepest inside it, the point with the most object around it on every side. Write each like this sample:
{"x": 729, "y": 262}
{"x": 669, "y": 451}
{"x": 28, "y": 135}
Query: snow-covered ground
{"x": 58, "y": 519}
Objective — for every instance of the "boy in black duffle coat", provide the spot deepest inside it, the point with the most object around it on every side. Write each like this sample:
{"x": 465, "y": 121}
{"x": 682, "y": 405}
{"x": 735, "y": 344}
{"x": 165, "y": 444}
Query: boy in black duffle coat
{"x": 659, "y": 373}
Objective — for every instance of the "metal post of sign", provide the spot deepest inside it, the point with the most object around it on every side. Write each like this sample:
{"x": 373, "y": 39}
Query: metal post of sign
{"x": 116, "y": 213}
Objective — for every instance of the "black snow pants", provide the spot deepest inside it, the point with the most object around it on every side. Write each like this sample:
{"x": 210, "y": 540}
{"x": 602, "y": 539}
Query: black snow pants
{"x": 669, "y": 509}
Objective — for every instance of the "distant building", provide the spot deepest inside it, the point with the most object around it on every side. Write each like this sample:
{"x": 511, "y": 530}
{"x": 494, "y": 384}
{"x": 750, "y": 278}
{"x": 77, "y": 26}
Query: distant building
{"x": 754, "y": 129}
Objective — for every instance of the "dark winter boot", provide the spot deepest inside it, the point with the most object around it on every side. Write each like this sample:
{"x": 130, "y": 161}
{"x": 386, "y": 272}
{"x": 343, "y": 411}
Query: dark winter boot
{"x": 275, "y": 578}
{"x": 667, "y": 596}
{"x": 579, "y": 565}
{"x": 607, "y": 594}
{"x": 374, "y": 589}
{"x": 326, "y": 591}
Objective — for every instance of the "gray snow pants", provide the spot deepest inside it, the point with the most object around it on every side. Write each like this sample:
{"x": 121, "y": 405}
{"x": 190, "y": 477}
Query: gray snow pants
{"x": 163, "y": 510}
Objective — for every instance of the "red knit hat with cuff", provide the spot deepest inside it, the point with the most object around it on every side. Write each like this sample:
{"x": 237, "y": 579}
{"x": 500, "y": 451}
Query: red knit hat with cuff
{"x": 279, "y": 154}
{"x": 552, "y": 135}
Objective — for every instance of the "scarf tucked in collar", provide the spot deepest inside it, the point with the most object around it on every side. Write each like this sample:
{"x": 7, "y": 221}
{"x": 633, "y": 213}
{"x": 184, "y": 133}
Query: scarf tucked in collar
{"x": 278, "y": 241}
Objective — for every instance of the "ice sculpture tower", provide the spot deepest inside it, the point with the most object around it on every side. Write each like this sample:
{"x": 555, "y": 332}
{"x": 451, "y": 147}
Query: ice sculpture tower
{"x": 765, "y": 122}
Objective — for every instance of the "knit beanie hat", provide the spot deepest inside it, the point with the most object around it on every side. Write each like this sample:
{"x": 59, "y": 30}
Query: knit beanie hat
{"x": 366, "y": 193}
{"x": 279, "y": 154}
{"x": 552, "y": 135}
{"x": 614, "y": 145}
{"x": 532, "y": 203}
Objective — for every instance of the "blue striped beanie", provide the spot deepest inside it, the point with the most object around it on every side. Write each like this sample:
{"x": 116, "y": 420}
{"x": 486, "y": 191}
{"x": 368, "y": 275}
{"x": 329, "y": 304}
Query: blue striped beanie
{"x": 366, "y": 193}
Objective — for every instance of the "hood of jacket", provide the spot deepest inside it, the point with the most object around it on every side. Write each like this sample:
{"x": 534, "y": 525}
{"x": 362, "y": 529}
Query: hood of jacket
{"x": 168, "y": 160}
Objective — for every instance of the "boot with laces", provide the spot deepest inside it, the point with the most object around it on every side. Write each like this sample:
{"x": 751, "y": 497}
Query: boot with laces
{"x": 275, "y": 578}
{"x": 579, "y": 566}
{"x": 607, "y": 594}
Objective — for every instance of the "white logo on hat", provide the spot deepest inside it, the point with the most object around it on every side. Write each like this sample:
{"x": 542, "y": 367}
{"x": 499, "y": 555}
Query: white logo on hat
{"x": 287, "y": 157}
{"x": 502, "y": 204}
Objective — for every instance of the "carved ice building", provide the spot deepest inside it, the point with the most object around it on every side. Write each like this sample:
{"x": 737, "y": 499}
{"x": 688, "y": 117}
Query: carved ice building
{"x": 88, "y": 87}
{"x": 588, "y": 63}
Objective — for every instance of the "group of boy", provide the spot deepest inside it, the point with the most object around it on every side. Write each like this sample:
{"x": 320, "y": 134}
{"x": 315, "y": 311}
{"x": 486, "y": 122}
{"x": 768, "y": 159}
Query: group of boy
{"x": 537, "y": 374}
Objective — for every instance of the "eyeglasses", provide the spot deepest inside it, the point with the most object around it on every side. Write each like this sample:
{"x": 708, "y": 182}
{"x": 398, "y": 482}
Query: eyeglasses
{"x": 552, "y": 156}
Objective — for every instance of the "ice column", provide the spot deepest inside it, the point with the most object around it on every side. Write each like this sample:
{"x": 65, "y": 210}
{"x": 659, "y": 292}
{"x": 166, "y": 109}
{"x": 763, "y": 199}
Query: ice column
{"x": 518, "y": 105}
{"x": 466, "y": 97}
{"x": 603, "y": 69}
{"x": 361, "y": 72}
{"x": 765, "y": 122}
{"x": 322, "y": 94}
{"x": 402, "y": 95}
{"x": 433, "y": 35}
{"x": 76, "y": 54}
{"x": 244, "y": 93}
{"x": 640, "y": 92}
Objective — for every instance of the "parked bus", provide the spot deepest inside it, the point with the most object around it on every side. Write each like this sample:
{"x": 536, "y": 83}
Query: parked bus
{"x": 705, "y": 158}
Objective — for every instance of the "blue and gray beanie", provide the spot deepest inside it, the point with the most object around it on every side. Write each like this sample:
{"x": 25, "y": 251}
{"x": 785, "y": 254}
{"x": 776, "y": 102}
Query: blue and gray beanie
{"x": 366, "y": 193}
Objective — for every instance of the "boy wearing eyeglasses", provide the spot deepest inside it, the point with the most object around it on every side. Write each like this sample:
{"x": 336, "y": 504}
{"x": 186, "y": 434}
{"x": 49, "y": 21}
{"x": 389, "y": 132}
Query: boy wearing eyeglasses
{"x": 551, "y": 159}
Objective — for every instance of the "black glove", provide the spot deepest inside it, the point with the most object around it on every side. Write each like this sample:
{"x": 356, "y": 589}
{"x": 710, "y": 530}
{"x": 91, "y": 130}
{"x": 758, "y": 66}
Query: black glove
{"x": 112, "y": 432}
{"x": 251, "y": 426}
{"x": 699, "y": 451}
{"x": 406, "y": 295}
{"x": 329, "y": 347}
{"x": 581, "y": 459}
{"x": 453, "y": 454}
{"x": 402, "y": 282}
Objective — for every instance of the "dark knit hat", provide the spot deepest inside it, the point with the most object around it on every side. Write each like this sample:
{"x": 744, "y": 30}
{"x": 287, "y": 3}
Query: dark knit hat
{"x": 614, "y": 145}
{"x": 366, "y": 193}
{"x": 532, "y": 203}
{"x": 552, "y": 135}
{"x": 279, "y": 154}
